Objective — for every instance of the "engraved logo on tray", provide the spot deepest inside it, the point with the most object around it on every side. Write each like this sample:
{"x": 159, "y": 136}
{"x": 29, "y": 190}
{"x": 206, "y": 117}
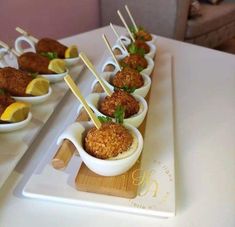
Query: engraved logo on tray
{"x": 152, "y": 185}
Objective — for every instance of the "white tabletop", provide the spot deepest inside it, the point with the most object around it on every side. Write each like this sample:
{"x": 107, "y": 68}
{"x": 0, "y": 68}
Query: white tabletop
{"x": 204, "y": 95}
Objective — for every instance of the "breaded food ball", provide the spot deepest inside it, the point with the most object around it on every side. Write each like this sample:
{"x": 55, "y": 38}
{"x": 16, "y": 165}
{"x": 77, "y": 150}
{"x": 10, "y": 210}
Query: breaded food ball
{"x": 143, "y": 45}
{"x": 134, "y": 61}
{"x": 119, "y": 98}
{"x": 108, "y": 141}
{"x": 128, "y": 77}
{"x": 143, "y": 35}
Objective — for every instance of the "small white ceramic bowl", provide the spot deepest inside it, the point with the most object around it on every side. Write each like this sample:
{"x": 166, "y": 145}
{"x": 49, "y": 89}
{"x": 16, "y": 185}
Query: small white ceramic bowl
{"x": 70, "y": 62}
{"x": 142, "y": 91}
{"x": 93, "y": 100}
{"x": 147, "y": 71}
{"x": 76, "y": 133}
{"x": 34, "y": 99}
{"x": 23, "y": 39}
{"x": 151, "y": 53}
{"x": 8, "y": 127}
{"x": 53, "y": 78}
{"x": 109, "y": 61}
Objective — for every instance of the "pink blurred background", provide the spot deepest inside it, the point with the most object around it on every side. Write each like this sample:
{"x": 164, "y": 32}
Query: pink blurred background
{"x": 45, "y": 18}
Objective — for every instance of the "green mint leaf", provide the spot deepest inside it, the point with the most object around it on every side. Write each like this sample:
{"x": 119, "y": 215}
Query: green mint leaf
{"x": 34, "y": 75}
{"x": 128, "y": 89}
{"x": 132, "y": 29}
{"x": 50, "y": 55}
{"x": 119, "y": 114}
{"x": 141, "y": 52}
{"x": 139, "y": 68}
{"x": 104, "y": 119}
{"x": 132, "y": 48}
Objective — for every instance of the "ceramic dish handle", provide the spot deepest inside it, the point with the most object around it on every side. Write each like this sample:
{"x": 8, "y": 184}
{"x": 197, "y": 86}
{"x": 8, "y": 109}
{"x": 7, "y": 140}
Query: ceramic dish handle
{"x": 68, "y": 146}
{"x": 7, "y": 58}
{"x": 109, "y": 62}
{"x": 126, "y": 41}
{"x": 123, "y": 52}
{"x": 3, "y": 53}
{"x": 19, "y": 44}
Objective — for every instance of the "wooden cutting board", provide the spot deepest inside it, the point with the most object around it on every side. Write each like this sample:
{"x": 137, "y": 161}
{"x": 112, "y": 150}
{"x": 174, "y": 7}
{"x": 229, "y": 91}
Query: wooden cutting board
{"x": 86, "y": 180}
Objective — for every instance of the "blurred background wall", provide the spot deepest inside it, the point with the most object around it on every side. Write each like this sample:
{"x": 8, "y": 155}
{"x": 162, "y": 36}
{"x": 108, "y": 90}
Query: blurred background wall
{"x": 47, "y": 18}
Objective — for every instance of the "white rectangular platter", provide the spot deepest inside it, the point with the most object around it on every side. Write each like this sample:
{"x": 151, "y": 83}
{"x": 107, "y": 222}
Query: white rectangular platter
{"x": 13, "y": 145}
{"x": 156, "y": 195}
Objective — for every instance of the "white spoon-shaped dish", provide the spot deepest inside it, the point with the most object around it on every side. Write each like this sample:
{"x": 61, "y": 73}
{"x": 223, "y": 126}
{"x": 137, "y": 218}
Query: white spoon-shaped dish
{"x": 70, "y": 62}
{"x": 34, "y": 99}
{"x": 76, "y": 133}
{"x": 151, "y": 53}
{"x": 53, "y": 78}
{"x": 8, "y": 127}
{"x": 147, "y": 71}
{"x": 135, "y": 120}
{"x": 127, "y": 41}
{"x": 19, "y": 42}
{"x": 142, "y": 91}
{"x": 3, "y": 63}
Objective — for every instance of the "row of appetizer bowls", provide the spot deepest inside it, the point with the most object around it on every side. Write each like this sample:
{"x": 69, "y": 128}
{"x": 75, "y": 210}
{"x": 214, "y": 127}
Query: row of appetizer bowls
{"x": 26, "y": 77}
{"x": 113, "y": 148}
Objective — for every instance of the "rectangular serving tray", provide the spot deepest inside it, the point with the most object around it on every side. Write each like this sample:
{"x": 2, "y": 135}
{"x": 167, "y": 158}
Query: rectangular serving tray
{"x": 156, "y": 182}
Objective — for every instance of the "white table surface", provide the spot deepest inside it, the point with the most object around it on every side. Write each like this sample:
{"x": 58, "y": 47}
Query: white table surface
{"x": 204, "y": 98}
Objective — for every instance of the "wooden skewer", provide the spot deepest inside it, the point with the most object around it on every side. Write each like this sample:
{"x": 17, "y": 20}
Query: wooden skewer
{"x": 118, "y": 37}
{"x": 95, "y": 73}
{"x": 132, "y": 19}
{"x": 126, "y": 26}
{"x": 9, "y": 48}
{"x": 111, "y": 52}
{"x": 23, "y": 32}
{"x": 78, "y": 94}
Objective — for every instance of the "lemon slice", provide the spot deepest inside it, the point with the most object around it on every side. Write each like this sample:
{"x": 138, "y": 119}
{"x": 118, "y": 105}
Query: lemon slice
{"x": 71, "y": 52}
{"x": 17, "y": 111}
{"x": 57, "y": 66}
{"x": 37, "y": 86}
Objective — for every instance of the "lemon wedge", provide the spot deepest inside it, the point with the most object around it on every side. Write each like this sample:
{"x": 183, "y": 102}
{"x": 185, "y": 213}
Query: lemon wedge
{"x": 57, "y": 66}
{"x": 71, "y": 52}
{"x": 37, "y": 86}
{"x": 17, "y": 111}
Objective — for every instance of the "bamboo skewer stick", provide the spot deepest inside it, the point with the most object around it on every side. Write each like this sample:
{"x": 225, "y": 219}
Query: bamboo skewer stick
{"x": 95, "y": 73}
{"x": 111, "y": 52}
{"x": 118, "y": 37}
{"x": 23, "y": 32}
{"x": 131, "y": 17}
{"x": 126, "y": 26}
{"x": 78, "y": 94}
{"x": 9, "y": 48}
